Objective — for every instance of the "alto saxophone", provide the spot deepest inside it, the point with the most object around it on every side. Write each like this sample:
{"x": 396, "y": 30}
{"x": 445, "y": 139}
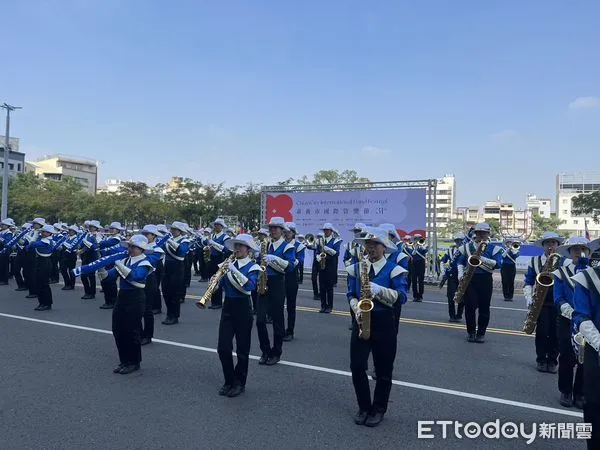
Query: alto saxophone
{"x": 206, "y": 253}
{"x": 474, "y": 262}
{"x": 322, "y": 255}
{"x": 214, "y": 282}
{"x": 262, "y": 278}
{"x": 543, "y": 282}
{"x": 365, "y": 305}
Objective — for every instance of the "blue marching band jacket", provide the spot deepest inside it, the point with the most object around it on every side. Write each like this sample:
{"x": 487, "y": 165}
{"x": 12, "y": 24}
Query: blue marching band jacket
{"x": 243, "y": 282}
{"x": 131, "y": 272}
{"x": 300, "y": 250}
{"x": 491, "y": 258}
{"x": 586, "y": 303}
{"x": 510, "y": 256}
{"x": 285, "y": 258}
{"x": 400, "y": 257}
{"x": 176, "y": 248}
{"x": 418, "y": 252}
{"x": 450, "y": 261}
{"x": 217, "y": 248}
{"x": 352, "y": 253}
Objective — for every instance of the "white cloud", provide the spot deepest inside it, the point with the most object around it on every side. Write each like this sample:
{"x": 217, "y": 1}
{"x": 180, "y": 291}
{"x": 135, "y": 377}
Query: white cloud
{"x": 584, "y": 103}
{"x": 372, "y": 150}
{"x": 505, "y": 134}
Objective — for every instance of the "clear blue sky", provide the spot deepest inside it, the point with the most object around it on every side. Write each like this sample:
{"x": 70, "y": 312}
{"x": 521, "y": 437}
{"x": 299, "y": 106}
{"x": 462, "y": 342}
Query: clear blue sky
{"x": 255, "y": 90}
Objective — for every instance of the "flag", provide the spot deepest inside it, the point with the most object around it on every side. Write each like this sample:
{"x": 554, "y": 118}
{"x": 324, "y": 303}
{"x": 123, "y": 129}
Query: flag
{"x": 587, "y": 232}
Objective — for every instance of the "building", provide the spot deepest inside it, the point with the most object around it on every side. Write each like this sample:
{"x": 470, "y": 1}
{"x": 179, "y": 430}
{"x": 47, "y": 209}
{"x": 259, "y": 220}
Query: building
{"x": 445, "y": 201}
{"x": 55, "y": 167}
{"x": 569, "y": 185}
{"x": 539, "y": 206}
{"x": 503, "y": 212}
{"x": 467, "y": 214}
{"x": 112, "y": 185}
{"x": 16, "y": 159}
{"x": 523, "y": 223}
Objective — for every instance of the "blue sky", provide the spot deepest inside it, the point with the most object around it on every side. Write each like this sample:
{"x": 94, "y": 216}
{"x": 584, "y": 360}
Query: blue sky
{"x": 502, "y": 95}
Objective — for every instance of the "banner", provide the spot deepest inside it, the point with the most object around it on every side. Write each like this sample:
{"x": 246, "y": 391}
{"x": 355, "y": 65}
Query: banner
{"x": 405, "y": 208}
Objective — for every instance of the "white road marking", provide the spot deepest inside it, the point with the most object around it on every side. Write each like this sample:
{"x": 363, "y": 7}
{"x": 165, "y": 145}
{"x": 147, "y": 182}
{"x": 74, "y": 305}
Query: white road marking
{"x": 421, "y": 387}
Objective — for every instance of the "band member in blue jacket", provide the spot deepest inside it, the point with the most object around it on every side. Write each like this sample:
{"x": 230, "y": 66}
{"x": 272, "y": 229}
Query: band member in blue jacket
{"x": 419, "y": 256}
{"x": 330, "y": 247}
{"x": 131, "y": 273}
{"x": 450, "y": 269}
{"x": 5, "y": 236}
{"x": 479, "y": 292}
{"x": 218, "y": 253}
{"x": 586, "y": 322}
{"x": 291, "y": 280}
{"x": 388, "y": 286}
{"x": 43, "y": 249}
{"x": 89, "y": 253}
{"x": 280, "y": 260}
{"x": 109, "y": 287}
{"x": 399, "y": 256}
{"x": 576, "y": 249}
{"x": 175, "y": 248}
{"x": 156, "y": 257}
{"x": 68, "y": 258}
{"x": 236, "y": 315}
{"x": 509, "y": 267}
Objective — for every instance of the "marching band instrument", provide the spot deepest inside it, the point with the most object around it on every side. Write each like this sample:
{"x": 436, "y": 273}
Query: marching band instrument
{"x": 473, "y": 262}
{"x": 543, "y": 282}
{"x": 310, "y": 239}
{"x": 580, "y": 341}
{"x": 447, "y": 271}
{"x": 365, "y": 305}
{"x": 214, "y": 282}
{"x": 99, "y": 264}
{"x": 10, "y": 244}
{"x": 262, "y": 278}
{"x": 322, "y": 255}
{"x": 206, "y": 253}
{"x": 421, "y": 241}
{"x": 515, "y": 246}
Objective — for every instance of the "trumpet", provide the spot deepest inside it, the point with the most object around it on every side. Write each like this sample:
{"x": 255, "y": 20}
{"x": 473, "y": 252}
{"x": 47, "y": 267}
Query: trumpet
{"x": 310, "y": 239}
{"x": 515, "y": 246}
{"x": 421, "y": 241}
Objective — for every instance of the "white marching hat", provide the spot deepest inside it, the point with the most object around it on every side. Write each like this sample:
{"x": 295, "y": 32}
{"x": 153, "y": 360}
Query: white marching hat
{"x": 139, "y": 241}
{"x": 48, "y": 229}
{"x": 151, "y": 229}
{"x": 594, "y": 245}
{"x": 74, "y": 228}
{"x": 417, "y": 236}
{"x": 162, "y": 228}
{"x": 207, "y": 230}
{"x": 219, "y": 221}
{"x": 458, "y": 236}
{"x": 277, "y": 222}
{"x": 563, "y": 250}
{"x": 179, "y": 226}
{"x": 8, "y": 222}
{"x": 39, "y": 221}
{"x": 378, "y": 235}
{"x": 483, "y": 226}
{"x": 244, "y": 239}
{"x": 291, "y": 226}
{"x": 328, "y": 226}
{"x": 263, "y": 231}
{"x": 117, "y": 226}
{"x": 358, "y": 226}
{"x": 95, "y": 224}
{"x": 391, "y": 229}
{"x": 550, "y": 235}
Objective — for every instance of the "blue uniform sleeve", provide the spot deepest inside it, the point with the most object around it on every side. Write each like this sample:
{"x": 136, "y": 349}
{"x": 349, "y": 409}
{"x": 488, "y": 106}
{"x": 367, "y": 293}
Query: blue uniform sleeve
{"x": 445, "y": 258}
{"x": 336, "y": 246}
{"x": 560, "y": 293}
{"x": 498, "y": 258}
{"x": 582, "y": 304}
{"x": 300, "y": 257}
{"x": 154, "y": 258}
{"x": 138, "y": 274}
{"x": 400, "y": 284}
{"x": 404, "y": 263}
{"x": 290, "y": 256}
{"x": 461, "y": 260}
{"x": 252, "y": 280}
{"x": 112, "y": 274}
{"x": 184, "y": 247}
{"x": 108, "y": 242}
{"x": 530, "y": 276}
{"x": 353, "y": 288}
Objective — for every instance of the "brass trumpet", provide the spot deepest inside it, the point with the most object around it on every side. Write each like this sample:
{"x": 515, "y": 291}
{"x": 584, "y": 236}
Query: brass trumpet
{"x": 421, "y": 241}
{"x": 310, "y": 239}
{"x": 515, "y": 246}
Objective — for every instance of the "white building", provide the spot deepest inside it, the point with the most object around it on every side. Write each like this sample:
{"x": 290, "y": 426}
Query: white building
{"x": 55, "y": 167}
{"x": 111, "y": 185}
{"x": 569, "y": 185}
{"x": 16, "y": 159}
{"x": 445, "y": 201}
{"x": 539, "y": 206}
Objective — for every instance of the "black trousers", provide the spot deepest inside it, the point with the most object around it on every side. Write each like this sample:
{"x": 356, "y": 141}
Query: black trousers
{"x": 418, "y": 275}
{"x": 4, "y": 259}
{"x": 591, "y": 391}
{"x": 410, "y": 273}
{"x": 546, "y": 335}
{"x": 454, "y": 310}
{"x": 508, "y": 272}
{"x": 314, "y": 276}
{"x": 567, "y": 361}
{"x": 236, "y": 322}
{"x": 326, "y": 282}
{"x": 382, "y": 344}
{"x": 254, "y": 296}
{"x": 18, "y": 269}
{"x": 110, "y": 290}
{"x": 43, "y": 266}
{"x": 272, "y": 304}
{"x": 196, "y": 258}
{"x": 157, "y": 298}
{"x": 89, "y": 280}
{"x": 291, "y": 294}
{"x": 127, "y": 325}
{"x": 68, "y": 262}
{"x": 300, "y": 270}
{"x": 171, "y": 287}
{"x": 187, "y": 273}
{"x": 54, "y": 271}
{"x": 213, "y": 267}
{"x": 478, "y": 297}
{"x": 147, "y": 314}
{"x": 29, "y": 271}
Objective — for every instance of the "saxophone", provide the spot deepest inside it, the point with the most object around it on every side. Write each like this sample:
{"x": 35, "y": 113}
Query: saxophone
{"x": 474, "y": 262}
{"x": 543, "y": 282}
{"x": 322, "y": 255}
{"x": 262, "y": 278}
{"x": 206, "y": 253}
{"x": 365, "y": 305}
{"x": 214, "y": 282}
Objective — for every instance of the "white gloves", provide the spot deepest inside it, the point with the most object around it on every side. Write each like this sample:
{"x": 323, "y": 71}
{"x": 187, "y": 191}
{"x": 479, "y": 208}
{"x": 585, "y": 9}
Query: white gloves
{"x": 488, "y": 262}
{"x": 329, "y": 251}
{"x": 375, "y": 289}
{"x": 102, "y": 274}
{"x": 528, "y": 293}
{"x": 233, "y": 269}
{"x": 591, "y": 334}
{"x": 122, "y": 269}
{"x": 270, "y": 259}
{"x": 566, "y": 310}
{"x": 318, "y": 258}
{"x": 461, "y": 272}
{"x": 385, "y": 296}
{"x": 354, "y": 306}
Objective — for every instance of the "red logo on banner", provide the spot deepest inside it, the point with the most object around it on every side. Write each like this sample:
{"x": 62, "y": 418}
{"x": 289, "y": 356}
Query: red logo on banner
{"x": 279, "y": 206}
{"x": 403, "y": 233}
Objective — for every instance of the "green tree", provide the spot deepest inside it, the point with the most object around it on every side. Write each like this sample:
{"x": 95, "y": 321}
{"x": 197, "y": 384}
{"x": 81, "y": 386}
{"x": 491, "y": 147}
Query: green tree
{"x": 587, "y": 205}
{"x": 543, "y": 225}
{"x": 454, "y": 226}
{"x": 495, "y": 226}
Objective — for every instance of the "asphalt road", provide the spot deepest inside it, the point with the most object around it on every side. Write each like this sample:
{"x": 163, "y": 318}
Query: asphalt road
{"x": 59, "y": 392}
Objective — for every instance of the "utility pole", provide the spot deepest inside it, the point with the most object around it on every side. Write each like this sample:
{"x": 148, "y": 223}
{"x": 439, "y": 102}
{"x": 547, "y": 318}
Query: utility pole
{"x": 9, "y": 108}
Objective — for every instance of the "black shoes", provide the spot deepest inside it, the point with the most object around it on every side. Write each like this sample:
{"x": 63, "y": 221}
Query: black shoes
{"x": 20, "y": 289}
{"x": 263, "y": 360}
{"x": 67, "y": 288}
{"x": 480, "y": 338}
{"x": 471, "y": 337}
{"x": 215, "y": 306}
{"x": 322, "y": 310}
{"x": 118, "y": 368}
{"x": 146, "y": 341}
{"x": 156, "y": 311}
{"x": 88, "y": 297}
{"x": 288, "y": 337}
{"x": 43, "y": 308}
{"x": 130, "y": 368}
{"x": 374, "y": 419}
{"x": 542, "y": 367}
{"x": 579, "y": 401}
{"x": 272, "y": 360}
{"x": 552, "y": 368}
{"x": 361, "y": 417}
{"x": 170, "y": 321}
{"x": 453, "y": 320}
{"x": 225, "y": 389}
{"x": 31, "y": 296}
{"x": 508, "y": 299}
{"x": 106, "y": 306}
{"x": 566, "y": 400}
{"x": 236, "y": 390}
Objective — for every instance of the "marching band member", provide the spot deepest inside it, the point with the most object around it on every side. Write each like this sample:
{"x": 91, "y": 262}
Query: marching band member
{"x": 57, "y": 239}
{"x": 353, "y": 249}
{"x": 5, "y": 236}
{"x": 175, "y": 248}
{"x": 279, "y": 260}
{"x": 151, "y": 291}
{"x": 478, "y": 295}
{"x": 399, "y": 256}
{"x": 236, "y": 316}
{"x": 261, "y": 235}
{"x": 19, "y": 264}
{"x": 314, "y": 271}
{"x": 388, "y": 285}
{"x": 546, "y": 337}
{"x": 575, "y": 249}
{"x": 300, "y": 267}
{"x": 89, "y": 254}
{"x": 291, "y": 280}
{"x": 204, "y": 266}
{"x": 187, "y": 266}
{"x": 330, "y": 247}
{"x": 450, "y": 268}
{"x": 509, "y": 269}
{"x": 407, "y": 248}
{"x": 43, "y": 248}
{"x": 30, "y": 256}
{"x": 336, "y": 235}
{"x": 586, "y": 322}
{"x": 419, "y": 256}
{"x": 68, "y": 258}
{"x": 127, "y": 312}
{"x": 159, "y": 271}
{"x": 109, "y": 285}
{"x": 217, "y": 256}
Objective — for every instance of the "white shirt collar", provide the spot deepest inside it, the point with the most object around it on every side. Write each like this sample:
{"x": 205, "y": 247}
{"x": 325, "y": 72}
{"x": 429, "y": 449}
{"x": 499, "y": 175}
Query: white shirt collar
{"x": 135, "y": 259}
{"x": 277, "y": 243}
{"x": 377, "y": 265}
{"x": 242, "y": 262}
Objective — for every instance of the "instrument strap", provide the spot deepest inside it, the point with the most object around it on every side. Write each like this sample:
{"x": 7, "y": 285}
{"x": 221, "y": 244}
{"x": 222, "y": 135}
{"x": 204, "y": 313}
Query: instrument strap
{"x": 593, "y": 280}
{"x": 566, "y": 275}
{"x": 507, "y": 255}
